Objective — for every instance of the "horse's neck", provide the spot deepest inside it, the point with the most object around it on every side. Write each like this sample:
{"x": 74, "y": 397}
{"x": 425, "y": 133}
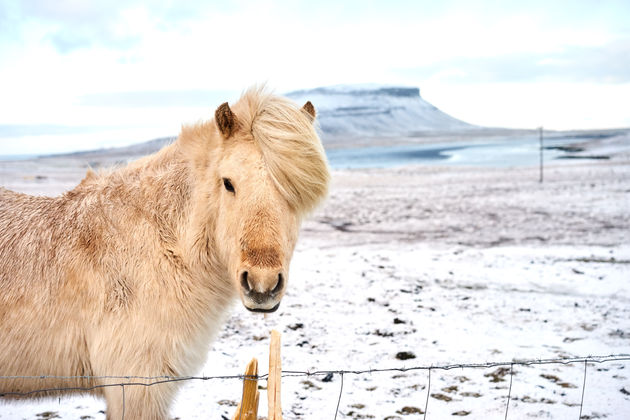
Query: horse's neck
{"x": 172, "y": 190}
{"x": 156, "y": 187}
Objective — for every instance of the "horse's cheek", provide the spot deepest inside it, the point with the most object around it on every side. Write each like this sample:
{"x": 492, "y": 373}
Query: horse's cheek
{"x": 227, "y": 234}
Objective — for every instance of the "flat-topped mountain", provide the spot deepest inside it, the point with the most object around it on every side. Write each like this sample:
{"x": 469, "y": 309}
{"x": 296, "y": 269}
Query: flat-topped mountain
{"x": 375, "y": 110}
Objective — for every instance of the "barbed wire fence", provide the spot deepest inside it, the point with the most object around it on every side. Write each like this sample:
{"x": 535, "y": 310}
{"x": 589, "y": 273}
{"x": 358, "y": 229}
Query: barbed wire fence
{"x": 149, "y": 381}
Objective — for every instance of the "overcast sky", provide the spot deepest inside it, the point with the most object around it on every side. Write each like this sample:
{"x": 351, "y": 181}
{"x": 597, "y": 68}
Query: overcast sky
{"x": 118, "y": 63}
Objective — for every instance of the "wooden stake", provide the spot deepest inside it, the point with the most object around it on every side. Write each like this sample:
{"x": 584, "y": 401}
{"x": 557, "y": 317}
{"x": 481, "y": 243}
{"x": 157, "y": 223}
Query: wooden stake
{"x": 248, "y": 408}
{"x": 275, "y": 376}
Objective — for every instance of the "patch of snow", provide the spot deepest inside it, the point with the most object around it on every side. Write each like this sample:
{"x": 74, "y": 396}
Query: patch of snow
{"x": 442, "y": 304}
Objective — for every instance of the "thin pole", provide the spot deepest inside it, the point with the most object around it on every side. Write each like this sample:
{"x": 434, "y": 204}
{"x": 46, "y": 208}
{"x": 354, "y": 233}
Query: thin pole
{"x": 583, "y": 387}
{"x": 123, "y": 395}
{"x": 426, "y": 403}
{"x": 340, "y": 392}
{"x": 507, "y": 406}
{"x": 540, "y": 136}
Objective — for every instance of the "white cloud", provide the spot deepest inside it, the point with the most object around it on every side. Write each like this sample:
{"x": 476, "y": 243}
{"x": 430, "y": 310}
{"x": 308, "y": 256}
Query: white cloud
{"x": 530, "y": 105}
{"x": 59, "y": 53}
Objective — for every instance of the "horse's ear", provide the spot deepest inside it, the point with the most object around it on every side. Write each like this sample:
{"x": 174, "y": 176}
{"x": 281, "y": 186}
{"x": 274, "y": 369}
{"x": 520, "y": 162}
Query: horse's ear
{"x": 309, "y": 110}
{"x": 226, "y": 120}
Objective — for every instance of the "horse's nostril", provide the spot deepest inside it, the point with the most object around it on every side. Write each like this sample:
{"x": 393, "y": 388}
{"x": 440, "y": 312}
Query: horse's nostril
{"x": 244, "y": 282}
{"x": 278, "y": 287}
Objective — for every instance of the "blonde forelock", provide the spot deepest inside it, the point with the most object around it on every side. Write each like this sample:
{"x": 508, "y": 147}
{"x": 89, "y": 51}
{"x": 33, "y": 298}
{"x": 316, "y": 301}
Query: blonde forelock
{"x": 290, "y": 146}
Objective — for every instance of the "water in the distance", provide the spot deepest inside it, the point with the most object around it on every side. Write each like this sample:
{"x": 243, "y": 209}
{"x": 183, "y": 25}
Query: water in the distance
{"x": 499, "y": 152}
{"x": 504, "y": 152}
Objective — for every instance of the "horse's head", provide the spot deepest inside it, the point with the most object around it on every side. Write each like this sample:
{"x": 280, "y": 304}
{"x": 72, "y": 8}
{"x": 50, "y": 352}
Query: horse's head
{"x": 270, "y": 171}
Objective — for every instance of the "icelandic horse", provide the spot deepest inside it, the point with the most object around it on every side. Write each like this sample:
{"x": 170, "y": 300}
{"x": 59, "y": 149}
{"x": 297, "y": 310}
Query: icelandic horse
{"x": 131, "y": 272}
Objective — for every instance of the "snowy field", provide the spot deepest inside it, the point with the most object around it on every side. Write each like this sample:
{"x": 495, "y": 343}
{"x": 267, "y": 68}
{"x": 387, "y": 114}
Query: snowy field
{"x": 430, "y": 266}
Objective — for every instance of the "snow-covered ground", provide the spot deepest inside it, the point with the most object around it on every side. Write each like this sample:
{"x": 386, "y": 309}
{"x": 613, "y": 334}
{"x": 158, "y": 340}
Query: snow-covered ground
{"x": 451, "y": 265}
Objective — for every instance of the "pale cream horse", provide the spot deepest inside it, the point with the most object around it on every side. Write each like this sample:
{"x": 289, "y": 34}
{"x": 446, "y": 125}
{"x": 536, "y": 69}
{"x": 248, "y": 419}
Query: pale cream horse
{"x": 131, "y": 272}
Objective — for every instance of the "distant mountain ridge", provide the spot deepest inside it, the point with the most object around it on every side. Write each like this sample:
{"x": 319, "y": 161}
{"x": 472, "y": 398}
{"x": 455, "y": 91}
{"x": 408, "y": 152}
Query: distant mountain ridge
{"x": 348, "y": 116}
{"x": 359, "y": 90}
{"x": 375, "y": 110}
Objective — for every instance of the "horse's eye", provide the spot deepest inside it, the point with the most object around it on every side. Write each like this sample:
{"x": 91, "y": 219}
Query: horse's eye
{"x": 228, "y": 185}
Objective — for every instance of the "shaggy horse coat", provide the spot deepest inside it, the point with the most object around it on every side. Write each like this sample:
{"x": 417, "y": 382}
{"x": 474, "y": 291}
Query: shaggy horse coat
{"x": 131, "y": 272}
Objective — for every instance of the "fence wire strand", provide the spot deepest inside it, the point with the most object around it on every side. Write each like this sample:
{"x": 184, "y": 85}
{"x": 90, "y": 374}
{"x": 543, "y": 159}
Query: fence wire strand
{"x": 158, "y": 380}
{"x": 148, "y": 381}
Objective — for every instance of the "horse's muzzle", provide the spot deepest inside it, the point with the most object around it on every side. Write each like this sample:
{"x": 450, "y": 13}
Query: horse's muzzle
{"x": 262, "y": 289}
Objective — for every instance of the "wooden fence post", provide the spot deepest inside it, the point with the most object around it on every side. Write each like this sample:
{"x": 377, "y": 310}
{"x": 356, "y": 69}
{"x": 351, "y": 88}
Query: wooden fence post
{"x": 275, "y": 376}
{"x": 248, "y": 408}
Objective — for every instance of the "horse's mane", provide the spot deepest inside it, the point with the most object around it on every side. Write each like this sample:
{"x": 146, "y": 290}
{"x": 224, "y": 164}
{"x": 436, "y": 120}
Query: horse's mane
{"x": 285, "y": 134}
{"x": 289, "y": 144}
